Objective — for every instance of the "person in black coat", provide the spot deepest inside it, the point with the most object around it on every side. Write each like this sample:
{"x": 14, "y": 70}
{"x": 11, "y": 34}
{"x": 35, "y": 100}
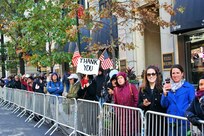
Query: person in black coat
{"x": 195, "y": 111}
{"x": 38, "y": 85}
{"x": 100, "y": 83}
{"x": 149, "y": 98}
{"x": 88, "y": 88}
{"x": 17, "y": 82}
{"x": 151, "y": 91}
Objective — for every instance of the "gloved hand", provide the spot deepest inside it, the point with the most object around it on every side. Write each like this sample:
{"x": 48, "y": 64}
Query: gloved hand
{"x": 194, "y": 120}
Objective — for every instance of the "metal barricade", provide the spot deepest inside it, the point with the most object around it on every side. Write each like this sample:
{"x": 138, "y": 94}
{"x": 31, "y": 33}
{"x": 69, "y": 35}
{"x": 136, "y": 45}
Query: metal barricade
{"x": 51, "y": 102}
{"x": 88, "y": 117}
{"x": 8, "y": 97}
{"x": 3, "y": 96}
{"x": 161, "y": 124}
{"x": 21, "y": 101}
{"x": 29, "y": 105}
{"x": 51, "y": 111}
{"x": 118, "y": 120}
{"x": 17, "y": 98}
{"x": 67, "y": 113}
{"x": 39, "y": 108}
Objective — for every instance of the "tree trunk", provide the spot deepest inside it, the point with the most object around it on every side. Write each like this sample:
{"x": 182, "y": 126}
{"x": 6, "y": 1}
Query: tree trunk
{"x": 21, "y": 64}
{"x": 3, "y": 57}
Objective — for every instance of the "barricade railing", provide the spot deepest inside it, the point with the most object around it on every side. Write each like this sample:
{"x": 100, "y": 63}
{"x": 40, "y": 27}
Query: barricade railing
{"x": 21, "y": 102}
{"x": 67, "y": 111}
{"x": 160, "y": 124}
{"x": 121, "y": 120}
{"x": 90, "y": 118}
{"x": 3, "y": 96}
{"x": 9, "y": 97}
{"x": 39, "y": 108}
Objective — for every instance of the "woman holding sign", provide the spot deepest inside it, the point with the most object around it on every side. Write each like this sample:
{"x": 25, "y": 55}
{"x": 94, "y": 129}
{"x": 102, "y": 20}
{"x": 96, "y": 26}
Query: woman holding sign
{"x": 88, "y": 88}
{"x": 86, "y": 109}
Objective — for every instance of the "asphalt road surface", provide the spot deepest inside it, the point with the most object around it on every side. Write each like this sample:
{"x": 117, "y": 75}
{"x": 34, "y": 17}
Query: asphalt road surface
{"x": 11, "y": 125}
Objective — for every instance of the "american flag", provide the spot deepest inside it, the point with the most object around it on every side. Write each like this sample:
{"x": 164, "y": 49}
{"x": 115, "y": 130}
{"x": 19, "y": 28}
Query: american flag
{"x": 106, "y": 62}
{"x": 76, "y": 56}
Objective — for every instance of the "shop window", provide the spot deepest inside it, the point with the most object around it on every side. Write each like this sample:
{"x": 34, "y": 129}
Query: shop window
{"x": 197, "y": 61}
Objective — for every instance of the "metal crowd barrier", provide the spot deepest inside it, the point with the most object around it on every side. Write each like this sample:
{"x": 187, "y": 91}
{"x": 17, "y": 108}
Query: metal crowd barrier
{"x": 87, "y": 117}
{"x": 90, "y": 118}
{"x": 161, "y": 124}
{"x": 118, "y": 120}
{"x": 2, "y": 96}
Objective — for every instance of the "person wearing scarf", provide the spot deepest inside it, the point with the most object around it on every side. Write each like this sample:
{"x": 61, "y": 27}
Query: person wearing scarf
{"x": 176, "y": 97}
{"x": 126, "y": 94}
{"x": 195, "y": 111}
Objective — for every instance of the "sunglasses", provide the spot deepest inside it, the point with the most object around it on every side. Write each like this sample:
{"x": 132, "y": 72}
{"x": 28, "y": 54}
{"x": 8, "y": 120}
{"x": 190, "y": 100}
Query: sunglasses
{"x": 151, "y": 74}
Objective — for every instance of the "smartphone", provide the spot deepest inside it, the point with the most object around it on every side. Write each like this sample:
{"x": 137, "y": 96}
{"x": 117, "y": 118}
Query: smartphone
{"x": 167, "y": 80}
{"x": 168, "y": 85}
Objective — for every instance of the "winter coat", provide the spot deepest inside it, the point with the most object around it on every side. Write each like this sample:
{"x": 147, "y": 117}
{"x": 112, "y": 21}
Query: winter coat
{"x": 126, "y": 95}
{"x": 73, "y": 90}
{"x": 88, "y": 93}
{"x": 55, "y": 88}
{"x": 153, "y": 96}
{"x": 38, "y": 86}
{"x": 100, "y": 83}
{"x": 195, "y": 112}
{"x": 177, "y": 102}
{"x": 17, "y": 84}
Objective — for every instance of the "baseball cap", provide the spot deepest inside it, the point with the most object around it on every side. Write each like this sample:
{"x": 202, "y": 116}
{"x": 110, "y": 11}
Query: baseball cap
{"x": 73, "y": 76}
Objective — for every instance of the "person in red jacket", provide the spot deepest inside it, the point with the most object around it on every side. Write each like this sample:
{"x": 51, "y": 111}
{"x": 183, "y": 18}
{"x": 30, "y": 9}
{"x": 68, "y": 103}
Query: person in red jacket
{"x": 126, "y": 94}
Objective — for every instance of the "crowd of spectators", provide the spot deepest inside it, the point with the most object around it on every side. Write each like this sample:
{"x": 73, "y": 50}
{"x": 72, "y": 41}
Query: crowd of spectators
{"x": 172, "y": 97}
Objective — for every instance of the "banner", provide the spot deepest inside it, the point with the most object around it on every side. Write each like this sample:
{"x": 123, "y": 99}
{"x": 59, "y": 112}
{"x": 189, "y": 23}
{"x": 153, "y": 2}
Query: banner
{"x": 88, "y": 66}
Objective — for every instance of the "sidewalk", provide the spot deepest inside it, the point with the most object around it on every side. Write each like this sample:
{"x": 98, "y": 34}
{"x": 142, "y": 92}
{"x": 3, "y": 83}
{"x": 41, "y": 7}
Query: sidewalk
{"x": 11, "y": 125}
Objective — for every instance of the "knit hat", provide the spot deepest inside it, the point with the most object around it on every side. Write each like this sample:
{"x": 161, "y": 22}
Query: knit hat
{"x": 123, "y": 74}
{"x": 113, "y": 72}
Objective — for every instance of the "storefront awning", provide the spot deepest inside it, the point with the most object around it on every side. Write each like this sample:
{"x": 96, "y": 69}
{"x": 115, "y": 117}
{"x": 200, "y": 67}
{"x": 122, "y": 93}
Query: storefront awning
{"x": 191, "y": 19}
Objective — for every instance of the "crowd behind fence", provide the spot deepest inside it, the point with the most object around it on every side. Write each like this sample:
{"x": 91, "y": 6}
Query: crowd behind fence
{"x": 91, "y": 118}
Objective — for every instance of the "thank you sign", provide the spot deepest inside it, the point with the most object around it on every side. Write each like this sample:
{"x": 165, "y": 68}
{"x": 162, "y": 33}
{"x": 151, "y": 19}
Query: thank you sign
{"x": 88, "y": 66}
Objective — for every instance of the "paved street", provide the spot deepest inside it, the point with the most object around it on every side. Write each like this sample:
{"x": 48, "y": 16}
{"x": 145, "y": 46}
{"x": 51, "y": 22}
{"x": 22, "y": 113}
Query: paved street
{"x": 10, "y": 125}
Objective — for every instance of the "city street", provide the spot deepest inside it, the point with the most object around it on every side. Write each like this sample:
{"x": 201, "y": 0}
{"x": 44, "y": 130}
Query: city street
{"x": 11, "y": 125}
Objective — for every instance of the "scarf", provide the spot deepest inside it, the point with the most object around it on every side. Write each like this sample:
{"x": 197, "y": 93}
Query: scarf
{"x": 199, "y": 94}
{"x": 176, "y": 86}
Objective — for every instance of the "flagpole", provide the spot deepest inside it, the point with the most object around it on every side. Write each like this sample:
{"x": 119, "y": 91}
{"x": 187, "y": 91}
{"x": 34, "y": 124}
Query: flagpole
{"x": 77, "y": 24}
{"x": 103, "y": 52}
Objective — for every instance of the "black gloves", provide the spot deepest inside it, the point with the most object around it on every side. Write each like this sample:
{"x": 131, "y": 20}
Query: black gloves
{"x": 194, "y": 121}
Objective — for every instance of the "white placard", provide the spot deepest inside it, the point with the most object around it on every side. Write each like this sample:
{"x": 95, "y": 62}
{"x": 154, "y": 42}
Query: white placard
{"x": 88, "y": 66}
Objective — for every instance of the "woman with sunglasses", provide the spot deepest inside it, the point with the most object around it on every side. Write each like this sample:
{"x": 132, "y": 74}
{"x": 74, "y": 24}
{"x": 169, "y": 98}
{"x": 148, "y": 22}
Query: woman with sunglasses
{"x": 150, "y": 97}
{"x": 177, "y": 96}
